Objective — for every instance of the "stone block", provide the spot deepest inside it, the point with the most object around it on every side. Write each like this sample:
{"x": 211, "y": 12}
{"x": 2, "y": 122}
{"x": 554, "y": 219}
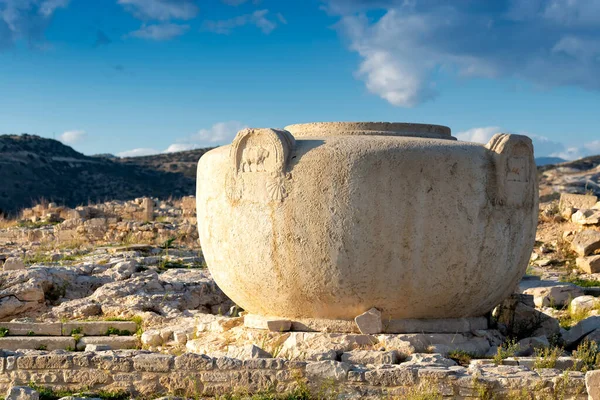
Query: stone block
{"x": 589, "y": 265}
{"x": 96, "y": 347}
{"x": 397, "y": 376}
{"x": 449, "y": 325}
{"x": 36, "y": 343}
{"x": 112, "y": 362}
{"x": 89, "y": 377}
{"x": 194, "y": 362}
{"x": 369, "y": 322}
{"x": 580, "y": 329}
{"x": 13, "y": 264}
{"x": 98, "y": 328}
{"x": 113, "y": 342}
{"x": 266, "y": 323}
{"x": 246, "y": 352}
{"x": 153, "y": 362}
{"x": 323, "y": 370}
{"x": 477, "y": 346}
{"x": 592, "y": 383}
{"x": 22, "y": 393}
{"x": 569, "y": 201}
{"x": 586, "y": 242}
{"x": 555, "y": 295}
{"x": 32, "y": 328}
{"x": 45, "y": 361}
{"x": 370, "y": 357}
{"x": 586, "y": 217}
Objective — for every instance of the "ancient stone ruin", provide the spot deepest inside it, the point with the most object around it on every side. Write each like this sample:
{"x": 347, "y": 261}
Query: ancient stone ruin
{"x": 320, "y": 223}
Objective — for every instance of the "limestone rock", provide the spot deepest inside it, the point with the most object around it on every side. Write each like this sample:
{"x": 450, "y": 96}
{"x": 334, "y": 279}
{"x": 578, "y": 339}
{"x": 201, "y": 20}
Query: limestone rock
{"x": 528, "y": 346}
{"x": 583, "y": 303}
{"x": 370, "y": 357}
{"x": 581, "y": 329}
{"x": 520, "y": 320}
{"x": 369, "y": 323}
{"x": 97, "y": 347}
{"x": 477, "y": 346}
{"x": 586, "y": 242}
{"x": 569, "y": 201}
{"x": 590, "y": 264}
{"x": 556, "y": 295}
{"x": 592, "y": 383}
{"x": 431, "y": 360}
{"x": 323, "y": 370}
{"x": 586, "y": 217}
{"x": 266, "y": 323}
{"x": 13, "y": 264}
{"x": 22, "y": 393}
{"x": 247, "y": 352}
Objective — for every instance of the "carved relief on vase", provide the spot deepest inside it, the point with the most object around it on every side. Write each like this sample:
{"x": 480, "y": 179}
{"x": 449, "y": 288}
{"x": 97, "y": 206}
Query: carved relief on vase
{"x": 259, "y": 158}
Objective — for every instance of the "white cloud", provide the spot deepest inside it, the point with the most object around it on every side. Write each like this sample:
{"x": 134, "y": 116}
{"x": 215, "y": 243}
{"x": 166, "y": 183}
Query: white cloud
{"x": 176, "y": 147}
{"x": 258, "y": 18}
{"x": 161, "y": 10}
{"x": 160, "y": 31}
{"x": 26, "y": 20}
{"x": 219, "y": 134}
{"x": 139, "y": 152}
{"x": 72, "y": 137}
{"x": 546, "y": 42}
{"x": 543, "y": 146}
{"x": 479, "y": 135}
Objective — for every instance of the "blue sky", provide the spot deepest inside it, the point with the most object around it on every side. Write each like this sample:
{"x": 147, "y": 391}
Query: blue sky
{"x": 145, "y": 76}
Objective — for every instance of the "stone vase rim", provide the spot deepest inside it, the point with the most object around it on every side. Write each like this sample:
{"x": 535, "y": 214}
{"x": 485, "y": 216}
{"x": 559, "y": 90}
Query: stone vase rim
{"x": 408, "y": 129}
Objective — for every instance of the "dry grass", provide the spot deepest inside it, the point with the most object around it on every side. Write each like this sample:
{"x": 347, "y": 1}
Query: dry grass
{"x": 6, "y": 223}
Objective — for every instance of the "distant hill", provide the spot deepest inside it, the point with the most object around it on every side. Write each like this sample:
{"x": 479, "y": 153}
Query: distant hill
{"x": 32, "y": 168}
{"x": 541, "y": 161}
{"x": 182, "y": 162}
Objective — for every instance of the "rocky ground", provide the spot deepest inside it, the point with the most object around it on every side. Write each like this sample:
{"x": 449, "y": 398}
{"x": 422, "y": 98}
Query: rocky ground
{"x": 139, "y": 261}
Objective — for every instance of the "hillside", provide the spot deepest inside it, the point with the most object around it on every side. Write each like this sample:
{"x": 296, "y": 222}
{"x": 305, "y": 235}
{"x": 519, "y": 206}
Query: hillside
{"x": 183, "y": 162}
{"x": 32, "y": 168}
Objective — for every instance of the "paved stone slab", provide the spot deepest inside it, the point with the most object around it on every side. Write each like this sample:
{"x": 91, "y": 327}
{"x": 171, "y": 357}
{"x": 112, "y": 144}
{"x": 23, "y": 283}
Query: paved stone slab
{"x": 36, "y": 343}
{"x": 98, "y": 328}
{"x": 451, "y": 325}
{"x": 114, "y": 342}
{"x": 27, "y": 328}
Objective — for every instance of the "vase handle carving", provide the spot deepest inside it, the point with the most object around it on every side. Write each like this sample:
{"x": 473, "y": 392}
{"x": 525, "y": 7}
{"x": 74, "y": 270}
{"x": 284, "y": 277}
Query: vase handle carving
{"x": 259, "y": 159}
{"x": 515, "y": 170}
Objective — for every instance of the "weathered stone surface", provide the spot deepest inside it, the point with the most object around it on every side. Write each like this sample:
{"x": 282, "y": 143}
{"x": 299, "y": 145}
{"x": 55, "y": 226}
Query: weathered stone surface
{"x": 590, "y": 265}
{"x": 113, "y": 342}
{"x": 477, "y": 346}
{"x": 586, "y": 242}
{"x": 581, "y": 329}
{"x": 271, "y": 324}
{"x": 569, "y": 201}
{"x": 322, "y": 370}
{"x": 22, "y": 393}
{"x": 584, "y": 304}
{"x": 517, "y": 319}
{"x": 555, "y": 295}
{"x": 96, "y": 347}
{"x": 27, "y": 328}
{"x": 370, "y": 357}
{"x": 586, "y": 217}
{"x": 152, "y": 362}
{"x": 13, "y": 264}
{"x": 35, "y": 343}
{"x": 342, "y": 272}
{"x": 592, "y": 383}
{"x": 98, "y": 328}
{"x": 194, "y": 362}
{"x": 247, "y": 352}
{"x": 369, "y": 322}
{"x": 440, "y": 325}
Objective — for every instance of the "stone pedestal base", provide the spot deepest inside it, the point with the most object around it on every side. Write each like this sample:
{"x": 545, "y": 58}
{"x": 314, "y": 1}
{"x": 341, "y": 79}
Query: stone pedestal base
{"x": 450, "y": 325}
